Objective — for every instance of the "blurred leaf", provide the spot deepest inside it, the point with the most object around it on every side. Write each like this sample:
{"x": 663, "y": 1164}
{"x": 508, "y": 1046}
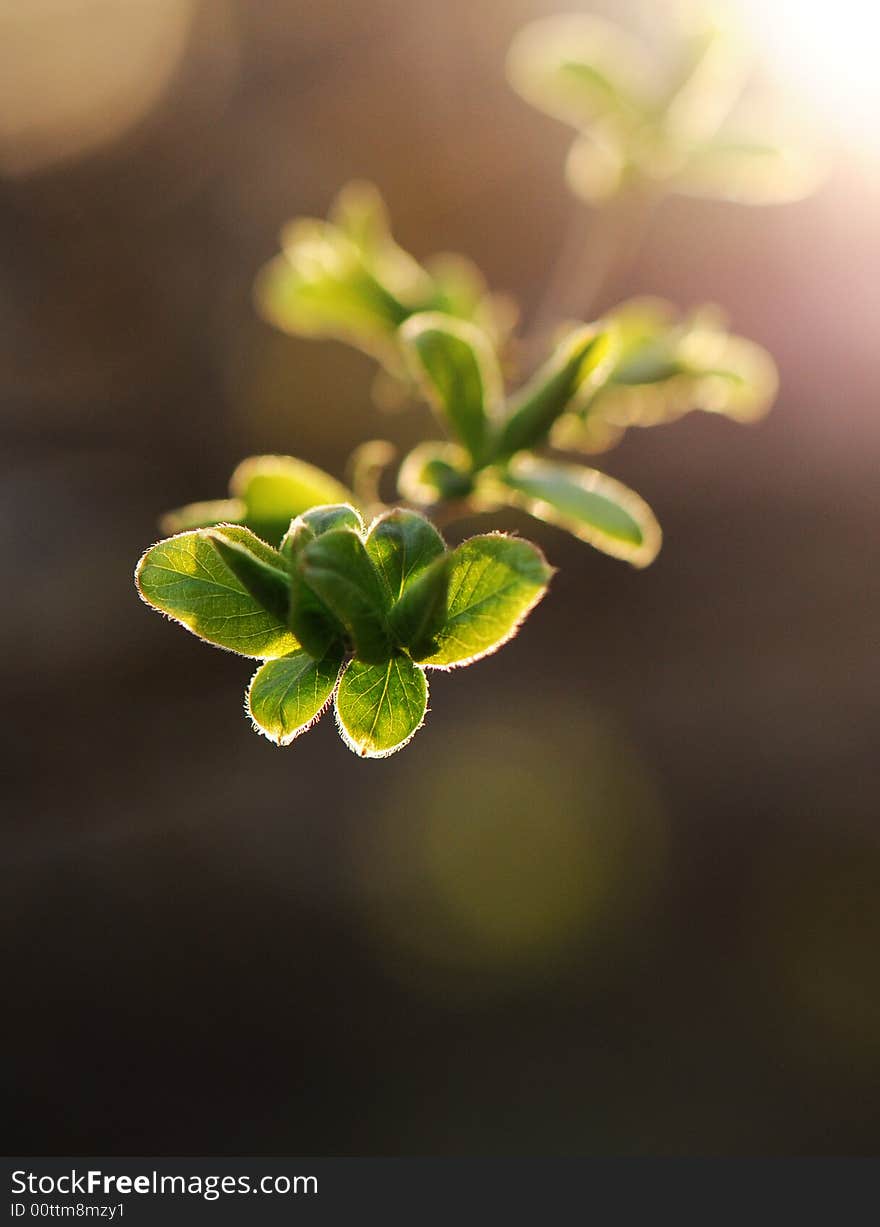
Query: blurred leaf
{"x": 494, "y": 582}
{"x": 399, "y": 545}
{"x": 420, "y": 613}
{"x": 203, "y": 515}
{"x": 361, "y": 215}
{"x": 748, "y": 172}
{"x": 434, "y": 472}
{"x": 276, "y": 489}
{"x": 660, "y": 130}
{"x": 455, "y": 365}
{"x": 578, "y": 366}
{"x": 379, "y": 707}
{"x": 668, "y": 366}
{"x": 347, "y": 278}
{"x": 315, "y": 626}
{"x": 596, "y": 164}
{"x": 338, "y": 570}
{"x": 266, "y": 582}
{"x": 594, "y": 507}
{"x": 318, "y": 287}
{"x": 714, "y": 70}
{"x": 366, "y": 465}
{"x": 286, "y": 696}
{"x": 579, "y": 68}
{"x": 185, "y": 578}
{"x": 460, "y": 289}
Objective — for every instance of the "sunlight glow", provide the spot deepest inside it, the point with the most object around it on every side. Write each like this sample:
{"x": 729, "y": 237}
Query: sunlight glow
{"x": 827, "y": 55}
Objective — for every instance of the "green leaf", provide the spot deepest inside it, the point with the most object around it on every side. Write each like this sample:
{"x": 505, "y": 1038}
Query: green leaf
{"x": 338, "y": 570}
{"x": 669, "y": 366}
{"x": 267, "y": 583}
{"x": 185, "y": 578}
{"x": 320, "y": 287}
{"x": 587, "y": 503}
{"x": 420, "y": 613}
{"x": 203, "y": 515}
{"x": 494, "y": 582}
{"x": 286, "y": 696}
{"x": 318, "y": 520}
{"x": 275, "y": 489}
{"x": 379, "y": 707}
{"x": 400, "y": 544}
{"x": 580, "y": 68}
{"x": 360, "y": 214}
{"x": 456, "y": 367}
{"x": 434, "y": 472}
{"x": 578, "y": 366}
{"x": 314, "y": 625}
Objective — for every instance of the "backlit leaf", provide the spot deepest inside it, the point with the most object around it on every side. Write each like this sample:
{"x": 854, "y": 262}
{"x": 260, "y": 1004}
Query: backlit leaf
{"x": 203, "y": 515}
{"x": 275, "y": 489}
{"x": 400, "y": 544}
{"x": 266, "y": 582}
{"x": 420, "y": 613}
{"x": 578, "y": 366}
{"x": 379, "y": 707}
{"x": 579, "y": 68}
{"x": 286, "y": 696}
{"x": 185, "y": 578}
{"x": 454, "y": 363}
{"x": 587, "y": 503}
{"x": 314, "y": 625}
{"x": 338, "y": 570}
{"x": 435, "y": 471}
{"x": 749, "y": 172}
{"x": 494, "y": 582}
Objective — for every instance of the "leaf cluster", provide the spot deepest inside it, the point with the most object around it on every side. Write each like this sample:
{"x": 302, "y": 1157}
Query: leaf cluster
{"x": 343, "y": 613}
{"x": 347, "y": 601}
{"x": 643, "y": 125}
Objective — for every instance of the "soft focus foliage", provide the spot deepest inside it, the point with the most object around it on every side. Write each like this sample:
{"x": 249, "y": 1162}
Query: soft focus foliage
{"x": 647, "y": 126}
{"x": 344, "y": 613}
{"x": 667, "y": 365}
{"x": 491, "y": 462}
{"x": 347, "y": 278}
{"x": 266, "y": 493}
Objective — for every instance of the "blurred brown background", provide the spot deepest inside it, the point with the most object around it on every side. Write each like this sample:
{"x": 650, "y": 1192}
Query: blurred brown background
{"x": 622, "y": 895}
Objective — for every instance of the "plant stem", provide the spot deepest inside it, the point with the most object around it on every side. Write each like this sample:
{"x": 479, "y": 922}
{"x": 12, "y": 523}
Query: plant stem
{"x": 596, "y": 250}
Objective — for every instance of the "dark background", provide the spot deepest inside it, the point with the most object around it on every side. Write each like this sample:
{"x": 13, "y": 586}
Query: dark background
{"x": 622, "y": 894}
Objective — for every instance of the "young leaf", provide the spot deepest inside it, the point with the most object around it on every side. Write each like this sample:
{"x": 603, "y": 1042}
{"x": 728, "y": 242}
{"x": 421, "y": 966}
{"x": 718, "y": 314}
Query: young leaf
{"x": 577, "y": 367}
{"x": 420, "y": 613}
{"x": 361, "y": 215}
{"x": 433, "y": 471}
{"x": 589, "y": 504}
{"x": 749, "y": 172}
{"x": 379, "y": 707}
{"x": 454, "y": 363}
{"x": 337, "y": 569}
{"x": 399, "y": 544}
{"x": 267, "y": 583}
{"x": 185, "y": 578}
{"x": 318, "y": 520}
{"x": 314, "y": 625}
{"x": 275, "y": 489}
{"x": 286, "y": 696}
{"x": 579, "y": 68}
{"x": 494, "y": 582}
{"x": 203, "y": 515}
